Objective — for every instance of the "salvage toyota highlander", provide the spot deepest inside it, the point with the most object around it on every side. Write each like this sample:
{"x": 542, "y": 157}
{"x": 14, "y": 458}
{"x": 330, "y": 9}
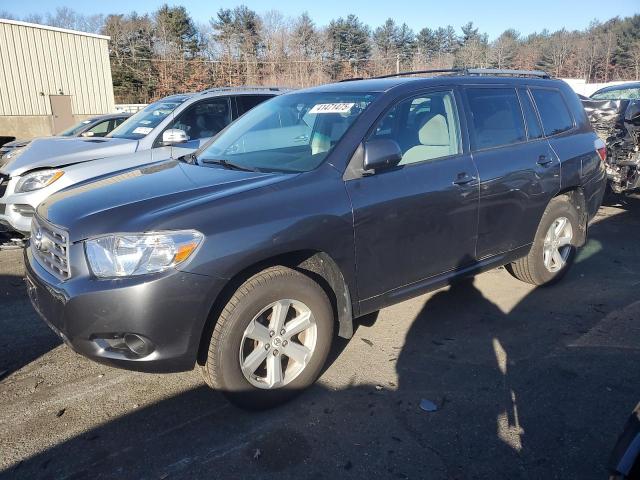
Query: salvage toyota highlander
{"x": 314, "y": 208}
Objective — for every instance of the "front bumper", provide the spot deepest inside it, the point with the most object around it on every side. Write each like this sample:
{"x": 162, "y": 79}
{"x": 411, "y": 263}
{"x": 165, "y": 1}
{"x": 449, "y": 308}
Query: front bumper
{"x": 17, "y": 210}
{"x": 15, "y": 218}
{"x": 168, "y": 310}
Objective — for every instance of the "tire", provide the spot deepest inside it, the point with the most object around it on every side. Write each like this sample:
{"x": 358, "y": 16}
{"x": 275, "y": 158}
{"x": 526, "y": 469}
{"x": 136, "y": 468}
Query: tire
{"x": 233, "y": 340}
{"x": 532, "y": 268}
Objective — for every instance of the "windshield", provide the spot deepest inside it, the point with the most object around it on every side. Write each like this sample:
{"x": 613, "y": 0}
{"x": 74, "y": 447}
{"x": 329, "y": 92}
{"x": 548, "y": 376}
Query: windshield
{"x": 289, "y": 133}
{"x": 75, "y": 130}
{"x": 632, "y": 93}
{"x": 141, "y": 124}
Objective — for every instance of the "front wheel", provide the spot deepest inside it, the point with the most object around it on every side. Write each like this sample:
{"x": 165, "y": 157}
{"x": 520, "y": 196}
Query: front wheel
{"x": 554, "y": 247}
{"x": 271, "y": 340}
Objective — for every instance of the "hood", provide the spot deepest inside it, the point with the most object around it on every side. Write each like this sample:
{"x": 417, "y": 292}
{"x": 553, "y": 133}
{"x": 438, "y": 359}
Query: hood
{"x": 60, "y": 151}
{"x": 144, "y": 198}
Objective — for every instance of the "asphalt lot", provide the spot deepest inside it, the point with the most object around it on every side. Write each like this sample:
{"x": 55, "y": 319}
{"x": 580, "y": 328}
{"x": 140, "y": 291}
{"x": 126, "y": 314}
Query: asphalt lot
{"x": 530, "y": 383}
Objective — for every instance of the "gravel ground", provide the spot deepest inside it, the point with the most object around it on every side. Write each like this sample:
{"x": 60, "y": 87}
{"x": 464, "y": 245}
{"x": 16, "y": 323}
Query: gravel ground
{"x": 529, "y": 383}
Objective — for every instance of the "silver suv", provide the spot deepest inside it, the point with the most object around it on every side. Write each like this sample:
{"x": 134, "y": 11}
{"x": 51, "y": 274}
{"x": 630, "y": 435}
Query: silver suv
{"x": 168, "y": 128}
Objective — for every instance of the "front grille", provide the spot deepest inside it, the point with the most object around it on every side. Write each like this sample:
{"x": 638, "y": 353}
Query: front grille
{"x": 4, "y": 182}
{"x": 50, "y": 247}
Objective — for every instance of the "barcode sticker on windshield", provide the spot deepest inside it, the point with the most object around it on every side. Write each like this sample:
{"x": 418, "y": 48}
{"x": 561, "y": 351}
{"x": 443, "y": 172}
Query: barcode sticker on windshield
{"x": 332, "y": 108}
{"x": 142, "y": 130}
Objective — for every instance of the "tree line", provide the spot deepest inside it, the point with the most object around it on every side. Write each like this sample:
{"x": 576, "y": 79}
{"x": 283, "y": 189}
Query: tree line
{"x": 167, "y": 51}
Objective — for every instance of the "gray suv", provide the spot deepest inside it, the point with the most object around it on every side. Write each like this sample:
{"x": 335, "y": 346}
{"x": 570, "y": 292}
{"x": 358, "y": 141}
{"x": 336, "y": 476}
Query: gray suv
{"x": 316, "y": 207}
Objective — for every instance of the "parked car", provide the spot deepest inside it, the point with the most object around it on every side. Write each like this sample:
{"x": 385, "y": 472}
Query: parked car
{"x": 614, "y": 113}
{"x": 92, "y": 127}
{"x": 314, "y": 208}
{"x": 170, "y": 127}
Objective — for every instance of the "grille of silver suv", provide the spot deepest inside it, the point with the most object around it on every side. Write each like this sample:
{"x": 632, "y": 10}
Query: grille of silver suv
{"x": 50, "y": 247}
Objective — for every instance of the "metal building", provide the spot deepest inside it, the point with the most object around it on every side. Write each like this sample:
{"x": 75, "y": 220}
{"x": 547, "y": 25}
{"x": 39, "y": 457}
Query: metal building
{"x": 50, "y": 78}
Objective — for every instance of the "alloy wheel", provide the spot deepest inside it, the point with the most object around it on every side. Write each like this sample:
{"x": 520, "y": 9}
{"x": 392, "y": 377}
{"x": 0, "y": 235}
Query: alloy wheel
{"x": 278, "y": 344}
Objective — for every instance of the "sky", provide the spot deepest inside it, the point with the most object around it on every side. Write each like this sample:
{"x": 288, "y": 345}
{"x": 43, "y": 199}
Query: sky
{"x": 492, "y": 17}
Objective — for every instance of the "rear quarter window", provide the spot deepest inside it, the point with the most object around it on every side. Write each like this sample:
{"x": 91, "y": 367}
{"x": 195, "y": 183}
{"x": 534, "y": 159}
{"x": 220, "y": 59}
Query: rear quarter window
{"x": 496, "y": 117}
{"x": 553, "y": 110}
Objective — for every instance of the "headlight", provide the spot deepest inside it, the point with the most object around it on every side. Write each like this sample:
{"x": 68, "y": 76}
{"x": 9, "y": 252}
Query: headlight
{"x": 125, "y": 255}
{"x": 37, "y": 180}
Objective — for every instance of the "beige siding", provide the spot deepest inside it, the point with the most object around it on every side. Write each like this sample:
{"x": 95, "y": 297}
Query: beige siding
{"x": 38, "y": 61}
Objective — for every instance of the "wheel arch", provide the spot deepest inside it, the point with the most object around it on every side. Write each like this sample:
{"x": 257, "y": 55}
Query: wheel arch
{"x": 316, "y": 264}
{"x": 576, "y": 196}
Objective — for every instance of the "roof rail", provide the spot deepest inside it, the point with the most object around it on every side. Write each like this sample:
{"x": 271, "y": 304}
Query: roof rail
{"x": 463, "y": 71}
{"x": 502, "y": 71}
{"x": 243, "y": 88}
{"x": 404, "y": 74}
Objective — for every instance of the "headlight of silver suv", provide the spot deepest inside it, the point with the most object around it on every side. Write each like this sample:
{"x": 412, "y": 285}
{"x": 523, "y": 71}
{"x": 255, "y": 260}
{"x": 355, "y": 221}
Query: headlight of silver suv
{"x": 124, "y": 255}
{"x": 37, "y": 180}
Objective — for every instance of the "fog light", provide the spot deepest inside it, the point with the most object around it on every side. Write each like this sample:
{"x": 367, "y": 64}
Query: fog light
{"x": 137, "y": 344}
{"x": 125, "y": 345}
{"x": 24, "y": 210}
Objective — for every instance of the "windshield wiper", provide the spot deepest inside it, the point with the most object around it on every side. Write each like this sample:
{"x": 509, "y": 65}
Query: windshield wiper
{"x": 229, "y": 165}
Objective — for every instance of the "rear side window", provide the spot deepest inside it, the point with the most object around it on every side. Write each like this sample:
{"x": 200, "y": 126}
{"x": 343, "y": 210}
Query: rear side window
{"x": 247, "y": 102}
{"x": 533, "y": 124}
{"x": 553, "y": 110}
{"x": 496, "y": 117}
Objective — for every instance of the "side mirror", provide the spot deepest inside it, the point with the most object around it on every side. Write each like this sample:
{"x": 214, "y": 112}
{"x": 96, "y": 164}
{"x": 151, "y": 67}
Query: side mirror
{"x": 172, "y": 136}
{"x": 381, "y": 154}
{"x": 87, "y": 134}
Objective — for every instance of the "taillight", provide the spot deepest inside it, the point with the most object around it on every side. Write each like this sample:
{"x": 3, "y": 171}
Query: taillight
{"x": 601, "y": 148}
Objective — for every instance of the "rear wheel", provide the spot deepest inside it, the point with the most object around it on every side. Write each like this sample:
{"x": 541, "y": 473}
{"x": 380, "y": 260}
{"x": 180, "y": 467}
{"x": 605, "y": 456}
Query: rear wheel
{"x": 554, "y": 247}
{"x": 271, "y": 340}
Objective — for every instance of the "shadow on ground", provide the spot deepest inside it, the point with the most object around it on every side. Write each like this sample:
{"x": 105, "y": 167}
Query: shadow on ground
{"x": 20, "y": 342}
{"x": 521, "y": 393}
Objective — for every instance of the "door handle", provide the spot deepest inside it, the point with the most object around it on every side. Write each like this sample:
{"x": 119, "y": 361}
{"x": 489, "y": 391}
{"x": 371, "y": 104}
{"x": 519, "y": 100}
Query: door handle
{"x": 463, "y": 178}
{"x": 543, "y": 160}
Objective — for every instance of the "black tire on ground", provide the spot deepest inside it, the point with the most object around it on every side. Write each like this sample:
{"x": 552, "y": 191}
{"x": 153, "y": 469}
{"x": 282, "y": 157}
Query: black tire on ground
{"x": 222, "y": 369}
{"x": 531, "y": 269}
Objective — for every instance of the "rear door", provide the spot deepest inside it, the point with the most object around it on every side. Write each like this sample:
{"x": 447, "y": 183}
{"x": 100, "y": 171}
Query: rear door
{"x": 519, "y": 172}
{"x": 419, "y": 219}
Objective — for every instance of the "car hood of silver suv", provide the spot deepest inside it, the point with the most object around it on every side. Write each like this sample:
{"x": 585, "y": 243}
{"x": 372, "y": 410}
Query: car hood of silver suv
{"x": 61, "y": 151}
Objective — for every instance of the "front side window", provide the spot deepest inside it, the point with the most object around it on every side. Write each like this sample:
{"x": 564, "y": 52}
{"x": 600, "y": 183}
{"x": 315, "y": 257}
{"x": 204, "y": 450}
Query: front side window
{"x": 204, "y": 119}
{"x": 290, "y": 133}
{"x": 142, "y": 123}
{"x": 553, "y": 110}
{"x": 496, "y": 117}
{"x": 425, "y": 127}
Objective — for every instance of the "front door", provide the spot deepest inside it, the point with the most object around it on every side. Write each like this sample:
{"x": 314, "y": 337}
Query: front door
{"x": 419, "y": 219}
{"x": 61, "y": 112}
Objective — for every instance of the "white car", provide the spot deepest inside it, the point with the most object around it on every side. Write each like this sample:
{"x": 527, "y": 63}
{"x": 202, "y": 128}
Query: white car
{"x": 182, "y": 122}
{"x": 23, "y": 193}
